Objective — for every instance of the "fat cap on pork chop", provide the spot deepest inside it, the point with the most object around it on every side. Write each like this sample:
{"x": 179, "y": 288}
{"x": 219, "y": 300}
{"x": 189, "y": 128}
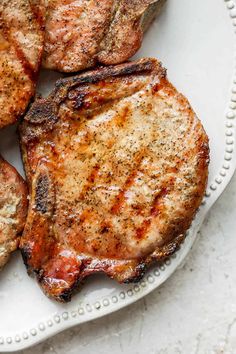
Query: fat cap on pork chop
{"x": 117, "y": 162}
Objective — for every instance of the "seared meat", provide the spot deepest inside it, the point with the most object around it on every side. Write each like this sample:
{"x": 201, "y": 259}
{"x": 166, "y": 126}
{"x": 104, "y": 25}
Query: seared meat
{"x": 80, "y": 33}
{"x": 21, "y": 46}
{"x": 13, "y": 209}
{"x": 118, "y": 163}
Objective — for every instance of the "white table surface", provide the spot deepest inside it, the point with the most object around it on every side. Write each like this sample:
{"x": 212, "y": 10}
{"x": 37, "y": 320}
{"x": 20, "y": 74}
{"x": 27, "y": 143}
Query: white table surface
{"x": 194, "y": 312}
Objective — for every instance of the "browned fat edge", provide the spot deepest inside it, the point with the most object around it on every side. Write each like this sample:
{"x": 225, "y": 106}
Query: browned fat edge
{"x": 40, "y": 119}
{"x": 102, "y": 73}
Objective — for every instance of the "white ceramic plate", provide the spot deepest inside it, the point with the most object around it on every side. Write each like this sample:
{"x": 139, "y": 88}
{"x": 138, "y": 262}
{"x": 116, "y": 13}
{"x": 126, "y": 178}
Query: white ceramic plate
{"x": 195, "y": 41}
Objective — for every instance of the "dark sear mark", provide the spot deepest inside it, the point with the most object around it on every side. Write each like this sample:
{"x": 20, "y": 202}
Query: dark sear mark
{"x": 42, "y": 194}
{"x": 65, "y": 85}
{"x": 43, "y": 111}
{"x": 39, "y": 120}
{"x": 25, "y": 252}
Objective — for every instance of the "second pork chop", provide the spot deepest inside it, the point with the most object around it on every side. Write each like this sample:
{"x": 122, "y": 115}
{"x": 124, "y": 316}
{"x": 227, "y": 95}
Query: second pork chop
{"x": 81, "y": 33}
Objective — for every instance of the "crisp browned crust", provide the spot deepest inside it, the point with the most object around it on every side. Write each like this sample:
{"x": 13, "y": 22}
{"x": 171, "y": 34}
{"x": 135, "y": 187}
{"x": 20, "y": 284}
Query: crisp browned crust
{"x": 13, "y": 209}
{"x": 21, "y": 46}
{"x": 81, "y": 34}
{"x": 117, "y": 162}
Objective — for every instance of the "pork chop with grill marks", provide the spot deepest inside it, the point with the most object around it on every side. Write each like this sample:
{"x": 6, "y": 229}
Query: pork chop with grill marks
{"x": 81, "y": 33}
{"x": 13, "y": 209}
{"x": 21, "y": 46}
{"x": 118, "y": 163}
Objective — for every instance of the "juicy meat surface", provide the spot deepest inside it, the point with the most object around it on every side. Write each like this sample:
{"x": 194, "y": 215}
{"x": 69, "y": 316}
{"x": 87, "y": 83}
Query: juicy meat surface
{"x": 13, "y": 209}
{"x": 81, "y": 33}
{"x": 21, "y": 46}
{"x": 117, "y": 162}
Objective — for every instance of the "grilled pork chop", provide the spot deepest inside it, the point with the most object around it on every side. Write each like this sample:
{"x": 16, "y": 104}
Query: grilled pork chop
{"x": 21, "y": 46}
{"x": 80, "y": 33}
{"x": 13, "y": 209}
{"x": 118, "y": 163}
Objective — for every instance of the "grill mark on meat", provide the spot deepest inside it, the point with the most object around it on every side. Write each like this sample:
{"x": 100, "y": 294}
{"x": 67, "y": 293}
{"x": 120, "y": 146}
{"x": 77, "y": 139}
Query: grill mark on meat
{"x": 142, "y": 231}
{"x": 120, "y": 198}
{"x": 26, "y": 65}
{"x": 90, "y": 181}
{"x": 121, "y": 118}
{"x": 42, "y": 191}
{"x": 155, "y": 209}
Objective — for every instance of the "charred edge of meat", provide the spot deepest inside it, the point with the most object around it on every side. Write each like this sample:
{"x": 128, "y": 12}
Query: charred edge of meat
{"x": 63, "y": 85}
{"x": 42, "y": 194}
{"x": 157, "y": 258}
{"x": 40, "y": 119}
{"x": 168, "y": 249}
{"x": 26, "y": 255}
{"x": 141, "y": 270}
{"x": 42, "y": 111}
{"x": 66, "y": 295}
